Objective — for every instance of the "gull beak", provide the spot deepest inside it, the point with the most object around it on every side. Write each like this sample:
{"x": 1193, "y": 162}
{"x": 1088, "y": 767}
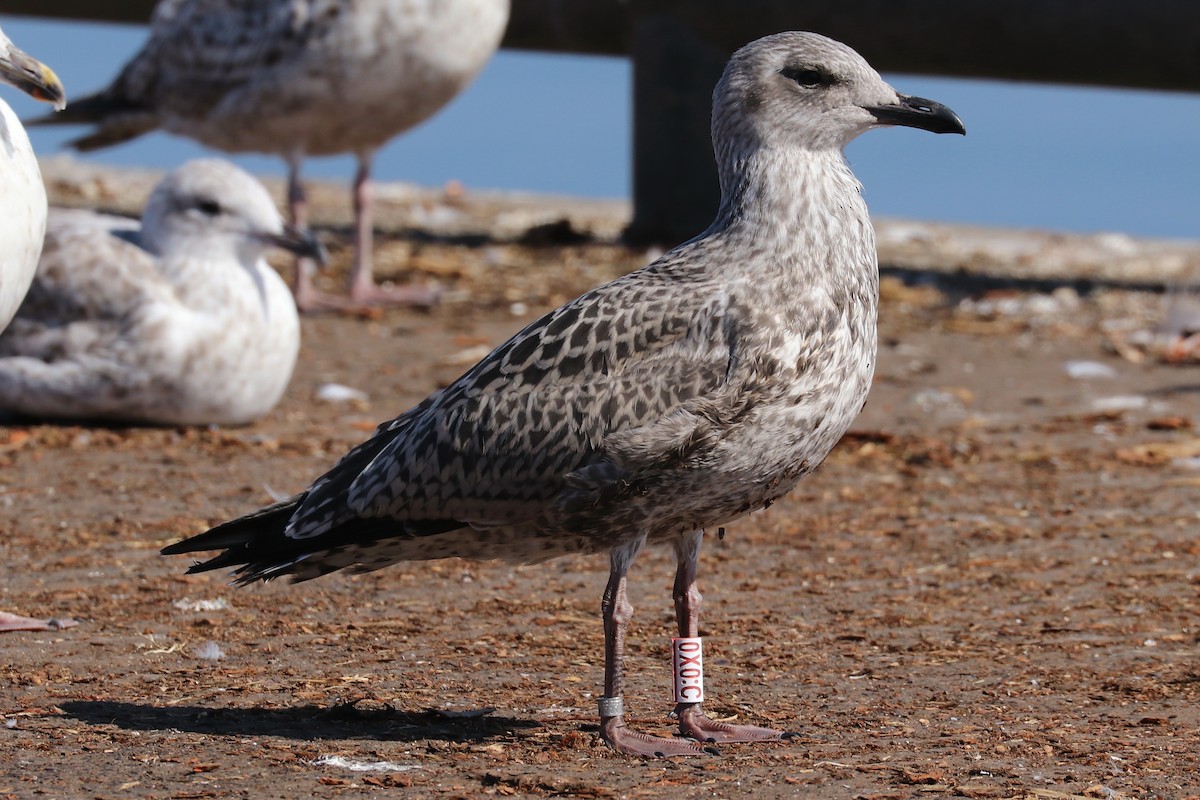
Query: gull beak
{"x": 301, "y": 242}
{"x": 917, "y": 112}
{"x": 32, "y": 77}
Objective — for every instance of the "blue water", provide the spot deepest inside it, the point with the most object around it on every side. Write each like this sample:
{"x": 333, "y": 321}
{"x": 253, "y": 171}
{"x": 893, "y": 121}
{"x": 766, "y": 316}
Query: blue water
{"x": 1036, "y": 156}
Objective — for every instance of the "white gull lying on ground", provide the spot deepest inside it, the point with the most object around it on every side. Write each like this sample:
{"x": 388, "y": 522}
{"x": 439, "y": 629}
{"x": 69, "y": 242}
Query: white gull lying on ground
{"x": 22, "y": 195}
{"x": 298, "y": 78}
{"x": 672, "y": 400}
{"x": 177, "y": 321}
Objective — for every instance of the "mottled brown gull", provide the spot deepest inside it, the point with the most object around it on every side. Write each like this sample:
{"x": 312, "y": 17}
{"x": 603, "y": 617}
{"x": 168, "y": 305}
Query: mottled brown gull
{"x": 22, "y": 194}
{"x": 176, "y": 321}
{"x": 299, "y": 78}
{"x": 672, "y": 400}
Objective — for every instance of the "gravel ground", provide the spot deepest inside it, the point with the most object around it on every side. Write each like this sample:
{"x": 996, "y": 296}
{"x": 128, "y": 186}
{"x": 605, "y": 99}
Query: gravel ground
{"x": 989, "y": 590}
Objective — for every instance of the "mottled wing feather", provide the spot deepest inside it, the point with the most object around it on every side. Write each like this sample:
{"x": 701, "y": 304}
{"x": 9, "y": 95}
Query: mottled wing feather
{"x": 497, "y": 446}
{"x": 65, "y": 353}
{"x": 91, "y": 271}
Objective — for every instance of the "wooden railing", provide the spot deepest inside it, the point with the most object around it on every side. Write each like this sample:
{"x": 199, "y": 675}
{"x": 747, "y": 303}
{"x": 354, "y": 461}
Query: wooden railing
{"x": 679, "y": 47}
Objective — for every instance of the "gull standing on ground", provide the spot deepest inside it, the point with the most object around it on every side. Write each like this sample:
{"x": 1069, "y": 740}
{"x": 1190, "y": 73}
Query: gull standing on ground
{"x": 22, "y": 193}
{"x": 299, "y": 78}
{"x": 22, "y": 216}
{"x": 673, "y": 400}
{"x": 177, "y": 321}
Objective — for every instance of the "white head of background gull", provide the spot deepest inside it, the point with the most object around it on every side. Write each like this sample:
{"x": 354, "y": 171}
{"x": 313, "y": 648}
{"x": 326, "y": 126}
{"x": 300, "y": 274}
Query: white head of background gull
{"x": 670, "y": 401}
{"x": 22, "y": 194}
{"x": 299, "y": 78}
{"x": 178, "y": 321}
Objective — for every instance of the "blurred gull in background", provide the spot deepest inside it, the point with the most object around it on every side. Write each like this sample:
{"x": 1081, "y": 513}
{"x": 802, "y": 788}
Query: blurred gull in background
{"x": 299, "y": 78}
{"x": 177, "y": 321}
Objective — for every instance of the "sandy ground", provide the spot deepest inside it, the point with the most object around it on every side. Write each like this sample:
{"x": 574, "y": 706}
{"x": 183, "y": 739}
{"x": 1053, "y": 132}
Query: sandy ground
{"x": 989, "y": 590}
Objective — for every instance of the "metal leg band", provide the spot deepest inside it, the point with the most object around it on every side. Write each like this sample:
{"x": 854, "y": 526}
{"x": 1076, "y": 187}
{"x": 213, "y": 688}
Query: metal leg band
{"x": 611, "y": 707}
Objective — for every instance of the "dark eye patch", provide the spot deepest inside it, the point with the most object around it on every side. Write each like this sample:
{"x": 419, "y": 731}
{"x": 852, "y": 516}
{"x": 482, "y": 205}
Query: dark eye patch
{"x": 808, "y": 77}
{"x": 209, "y": 207}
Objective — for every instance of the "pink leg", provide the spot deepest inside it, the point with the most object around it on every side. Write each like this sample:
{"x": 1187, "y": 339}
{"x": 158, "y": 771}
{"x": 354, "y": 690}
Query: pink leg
{"x": 15, "y": 622}
{"x": 363, "y": 289}
{"x": 307, "y": 297}
{"x": 693, "y": 723}
{"x": 617, "y": 613}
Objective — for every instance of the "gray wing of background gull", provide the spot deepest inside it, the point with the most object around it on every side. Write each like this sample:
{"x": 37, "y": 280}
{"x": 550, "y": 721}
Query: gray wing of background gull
{"x": 92, "y": 279}
{"x": 202, "y": 56}
{"x": 293, "y": 77}
{"x": 118, "y": 273}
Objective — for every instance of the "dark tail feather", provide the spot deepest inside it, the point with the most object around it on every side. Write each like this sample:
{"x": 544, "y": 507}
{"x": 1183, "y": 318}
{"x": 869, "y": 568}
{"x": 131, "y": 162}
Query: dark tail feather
{"x": 117, "y": 120}
{"x": 91, "y": 110}
{"x": 244, "y": 539}
{"x": 259, "y": 548}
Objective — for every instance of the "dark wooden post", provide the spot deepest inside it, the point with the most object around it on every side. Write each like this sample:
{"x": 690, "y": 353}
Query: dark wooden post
{"x": 675, "y": 189}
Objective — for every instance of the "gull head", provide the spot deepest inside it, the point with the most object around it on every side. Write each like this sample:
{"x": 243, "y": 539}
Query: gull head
{"x": 24, "y": 72}
{"x": 216, "y": 210}
{"x": 807, "y": 91}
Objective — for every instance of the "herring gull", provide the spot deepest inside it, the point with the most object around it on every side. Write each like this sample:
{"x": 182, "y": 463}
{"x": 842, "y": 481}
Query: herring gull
{"x": 22, "y": 215}
{"x": 178, "y": 321}
{"x": 667, "y": 402}
{"x": 299, "y": 78}
{"x": 22, "y": 194}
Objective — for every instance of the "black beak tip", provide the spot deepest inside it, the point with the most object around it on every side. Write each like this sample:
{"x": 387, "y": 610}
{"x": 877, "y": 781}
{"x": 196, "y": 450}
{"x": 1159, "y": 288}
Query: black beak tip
{"x": 317, "y": 250}
{"x": 917, "y": 112}
{"x": 303, "y": 243}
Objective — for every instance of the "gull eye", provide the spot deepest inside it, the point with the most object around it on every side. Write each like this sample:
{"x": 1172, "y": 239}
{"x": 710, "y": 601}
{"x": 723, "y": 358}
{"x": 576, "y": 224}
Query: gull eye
{"x": 209, "y": 208}
{"x": 807, "y": 77}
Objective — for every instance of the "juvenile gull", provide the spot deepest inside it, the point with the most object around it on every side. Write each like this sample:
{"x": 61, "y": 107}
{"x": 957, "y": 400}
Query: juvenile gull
{"x": 299, "y": 78}
{"x": 670, "y": 401}
{"x": 22, "y": 194}
{"x": 178, "y": 321}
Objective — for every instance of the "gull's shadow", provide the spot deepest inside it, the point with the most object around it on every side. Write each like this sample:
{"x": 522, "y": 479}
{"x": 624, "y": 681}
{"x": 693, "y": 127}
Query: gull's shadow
{"x": 301, "y": 722}
{"x": 961, "y": 283}
{"x": 1168, "y": 391}
{"x": 553, "y": 233}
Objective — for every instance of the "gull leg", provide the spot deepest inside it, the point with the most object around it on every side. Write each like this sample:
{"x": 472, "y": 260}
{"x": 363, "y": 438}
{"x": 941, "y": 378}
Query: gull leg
{"x": 306, "y": 295}
{"x": 363, "y": 289}
{"x": 617, "y": 613}
{"x": 15, "y": 622}
{"x": 693, "y": 722}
